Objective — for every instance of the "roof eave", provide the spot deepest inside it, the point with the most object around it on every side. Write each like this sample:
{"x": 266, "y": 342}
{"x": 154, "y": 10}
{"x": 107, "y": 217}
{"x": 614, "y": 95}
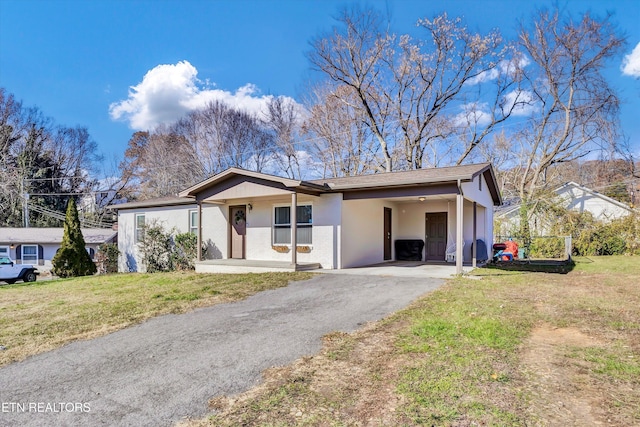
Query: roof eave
{"x": 287, "y": 182}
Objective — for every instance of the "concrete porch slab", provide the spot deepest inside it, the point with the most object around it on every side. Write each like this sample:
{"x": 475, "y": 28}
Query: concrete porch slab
{"x": 251, "y": 266}
{"x": 417, "y": 269}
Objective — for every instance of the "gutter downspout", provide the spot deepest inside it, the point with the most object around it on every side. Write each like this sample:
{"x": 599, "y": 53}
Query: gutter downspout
{"x": 459, "y": 228}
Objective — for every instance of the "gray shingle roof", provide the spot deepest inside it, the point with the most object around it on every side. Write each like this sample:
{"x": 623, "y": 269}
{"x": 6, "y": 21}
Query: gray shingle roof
{"x": 380, "y": 180}
{"x": 52, "y": 235}
{"x": 159, "y": 201}
{"x": 418, "y": 176}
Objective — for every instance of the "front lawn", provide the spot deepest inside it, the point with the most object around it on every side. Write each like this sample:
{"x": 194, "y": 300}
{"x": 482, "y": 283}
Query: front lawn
{"x": 40, "y": 316}
{"x": 502, "y": 348}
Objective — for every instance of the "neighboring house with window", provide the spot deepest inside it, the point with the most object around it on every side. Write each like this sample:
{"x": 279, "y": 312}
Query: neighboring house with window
{"x": 337, "y": 223}
{"x": 573, "y": 197}
{"x": 38, "y": 245}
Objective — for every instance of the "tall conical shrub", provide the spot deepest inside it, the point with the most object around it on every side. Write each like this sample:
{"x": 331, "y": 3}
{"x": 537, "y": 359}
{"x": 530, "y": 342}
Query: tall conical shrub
{"x": 72, "y": 258}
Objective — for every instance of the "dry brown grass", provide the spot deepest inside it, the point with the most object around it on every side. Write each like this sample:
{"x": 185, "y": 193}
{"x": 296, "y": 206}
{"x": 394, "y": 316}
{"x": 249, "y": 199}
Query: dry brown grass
{"x": 41, "y": 316}
{"x": 528, "y": 349}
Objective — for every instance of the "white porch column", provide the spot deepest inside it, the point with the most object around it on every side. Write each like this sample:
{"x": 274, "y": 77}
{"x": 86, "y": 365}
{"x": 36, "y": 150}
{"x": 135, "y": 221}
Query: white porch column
{"x": 294, "y": 228}
{"x": 199, "y": 231}
{"x": 474, "y": 249}
{"x": 459, "y": 228}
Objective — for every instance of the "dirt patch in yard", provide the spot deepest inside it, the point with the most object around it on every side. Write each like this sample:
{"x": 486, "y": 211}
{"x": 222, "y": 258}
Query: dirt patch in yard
{"x": 561, "y": 393}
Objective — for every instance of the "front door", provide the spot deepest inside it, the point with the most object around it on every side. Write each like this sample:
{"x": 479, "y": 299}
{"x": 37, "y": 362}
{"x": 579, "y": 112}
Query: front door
{"x": 387, "y": 233}
{"x": 435, "y": 236}
{"x": 238, "y": 223}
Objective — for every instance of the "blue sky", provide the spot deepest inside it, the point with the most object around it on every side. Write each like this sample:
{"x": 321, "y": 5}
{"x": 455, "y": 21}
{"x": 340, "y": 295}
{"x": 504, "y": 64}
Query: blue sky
{"x": 77, "y": 60}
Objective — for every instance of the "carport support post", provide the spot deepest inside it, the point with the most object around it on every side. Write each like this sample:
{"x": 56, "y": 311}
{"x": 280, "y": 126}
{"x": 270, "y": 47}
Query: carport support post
{"x": 199, "y": 231}
{"x": 294, "y": 229}
{"x": 474, "y": 249}
{"x": 459, "y": 239}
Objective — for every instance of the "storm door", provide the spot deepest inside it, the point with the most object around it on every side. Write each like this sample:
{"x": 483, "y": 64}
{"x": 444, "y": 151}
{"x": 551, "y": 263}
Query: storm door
{"x": 238, "y": 226}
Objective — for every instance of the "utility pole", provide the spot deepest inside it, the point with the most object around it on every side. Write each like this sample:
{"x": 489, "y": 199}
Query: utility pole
{"x": 25, "y": 205}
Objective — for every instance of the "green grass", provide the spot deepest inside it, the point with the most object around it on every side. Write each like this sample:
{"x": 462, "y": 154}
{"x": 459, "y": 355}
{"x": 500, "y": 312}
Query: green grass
{"x": 462, "y": 335}
{"x": 40, "y": 316}
{"x": 618, "y": 264}
{"x": 466, "y": 337}
{"x": 457, "y": 357}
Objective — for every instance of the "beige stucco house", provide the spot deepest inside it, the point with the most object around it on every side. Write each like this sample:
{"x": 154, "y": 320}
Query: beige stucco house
{"x": 338, "y": 222}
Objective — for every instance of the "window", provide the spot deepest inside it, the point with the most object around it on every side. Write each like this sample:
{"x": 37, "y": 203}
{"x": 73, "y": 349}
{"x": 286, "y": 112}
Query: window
{"x": 139, "y": 228}
{"x": 29, "y": 254}
{"x": 4, "y": 250}
{"x": 193, "y": 222}
{"x": 282, "y": 225}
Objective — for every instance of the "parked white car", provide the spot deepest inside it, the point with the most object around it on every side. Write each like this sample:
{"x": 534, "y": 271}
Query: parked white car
{"x": 11, "y": 272}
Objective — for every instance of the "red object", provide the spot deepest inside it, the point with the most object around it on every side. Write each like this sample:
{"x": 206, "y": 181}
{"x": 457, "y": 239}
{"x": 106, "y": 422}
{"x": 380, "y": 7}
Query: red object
{"x": 512, "y": 248}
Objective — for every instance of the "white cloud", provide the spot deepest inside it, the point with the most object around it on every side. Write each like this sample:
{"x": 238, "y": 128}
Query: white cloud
{"x": 473, "y": 113}
{"x": 504, "y": 67}
{"x": 522, "y": 101}
{"x": 484, "y": 76}
{"x": 167, "y": 92}
{"x": 631, "y": 63}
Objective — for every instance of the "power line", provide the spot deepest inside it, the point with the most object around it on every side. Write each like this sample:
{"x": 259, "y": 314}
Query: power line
{"x": 61, "y": 216}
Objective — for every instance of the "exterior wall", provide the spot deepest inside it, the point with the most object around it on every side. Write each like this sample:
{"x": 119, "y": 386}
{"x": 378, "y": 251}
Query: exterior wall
{"x": 325, "y": 229}
{"x": 576, "y": 199}
{"x": 484, "y": 228}
{"x": 345, "y": 233}
{"x": 412, "y": 219}
{"x": 362, "y": 234}
{"x": 258, "y": 240}
{"x": 169, "y": 217}
{"x": 477, "y": 190}
{"x": 215, "y": 230}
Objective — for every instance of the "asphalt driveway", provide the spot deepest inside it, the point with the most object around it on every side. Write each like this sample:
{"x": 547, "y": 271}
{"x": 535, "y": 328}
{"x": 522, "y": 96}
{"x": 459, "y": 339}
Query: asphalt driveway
{"x": 167, "y": 368}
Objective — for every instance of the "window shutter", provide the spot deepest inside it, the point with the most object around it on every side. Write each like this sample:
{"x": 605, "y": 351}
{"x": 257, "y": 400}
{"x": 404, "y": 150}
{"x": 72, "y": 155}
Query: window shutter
{"x": 19, "y": 254}
{"x": 40, "y": 255}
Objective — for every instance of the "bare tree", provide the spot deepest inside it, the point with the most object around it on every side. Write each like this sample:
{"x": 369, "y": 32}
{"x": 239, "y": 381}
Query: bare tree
{"x": 573, "y": 109}
{"x": 353, "y": 57}
{"x": 170, "y": 162}
{"x": 161, "y": 163}
{"x": 202, "y": 143}
{"x": 38, "y": 157}
{"x": 338, "y": 138}
{"x": 282, "y": 119}
{"x": 421, "y": 96}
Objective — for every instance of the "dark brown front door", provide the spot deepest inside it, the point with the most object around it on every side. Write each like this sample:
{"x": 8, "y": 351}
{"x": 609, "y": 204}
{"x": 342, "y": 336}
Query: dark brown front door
{"x": 238, "y": 223}
{"x": 435, "y": 236}
{"x": 387, "y": 233}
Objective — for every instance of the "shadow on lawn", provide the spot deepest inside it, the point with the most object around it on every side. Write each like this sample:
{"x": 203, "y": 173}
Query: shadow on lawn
{"x": 538, "y": 266}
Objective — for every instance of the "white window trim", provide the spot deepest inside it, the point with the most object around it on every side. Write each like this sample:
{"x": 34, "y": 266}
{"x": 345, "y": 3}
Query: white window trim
{"x": 30, "y": 260}
{"x": 193, "y": 229}
{"x": 135, "y": 226}
{"x": 273, "y": 224}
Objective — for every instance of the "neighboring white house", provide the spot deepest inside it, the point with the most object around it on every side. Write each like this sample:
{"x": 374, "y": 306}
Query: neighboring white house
{"x": 338, "y": 222}
{"x": 37, "y": 246}
{"x": 574, "y": 197}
